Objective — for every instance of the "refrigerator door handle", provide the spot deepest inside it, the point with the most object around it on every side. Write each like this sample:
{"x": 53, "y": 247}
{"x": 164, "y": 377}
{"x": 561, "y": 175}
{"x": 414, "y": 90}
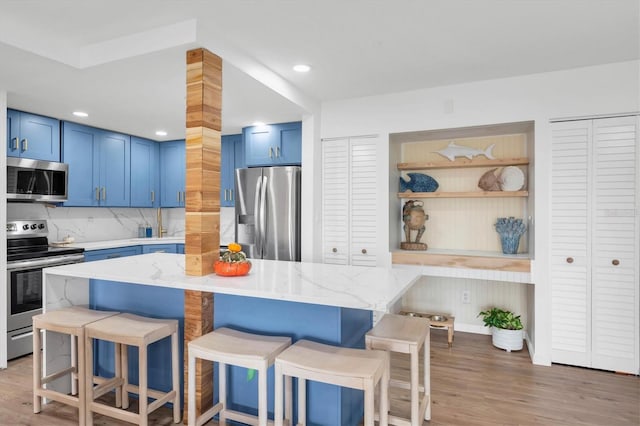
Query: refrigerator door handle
{"x": 256, "y": 209}
{"x": 262, "y": 216}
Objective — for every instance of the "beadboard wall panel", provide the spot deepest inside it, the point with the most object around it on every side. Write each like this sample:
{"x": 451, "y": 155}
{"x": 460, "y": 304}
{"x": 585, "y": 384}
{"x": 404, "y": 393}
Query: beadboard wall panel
{"x": 445, "y": 295}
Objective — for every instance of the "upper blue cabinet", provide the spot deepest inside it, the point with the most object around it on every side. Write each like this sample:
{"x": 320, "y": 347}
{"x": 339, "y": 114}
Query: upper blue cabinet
{"x": 145, "y": 173}
{"x": 99, "y": 166}
{"x": 232, "y": 157}
{"x": 32, "y": 136}
{"x": 273, "y": 144}
{"x": 172, "y": 173}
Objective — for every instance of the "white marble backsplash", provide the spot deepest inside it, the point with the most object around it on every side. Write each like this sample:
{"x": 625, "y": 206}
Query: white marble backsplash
{"x": 86, "y": 224}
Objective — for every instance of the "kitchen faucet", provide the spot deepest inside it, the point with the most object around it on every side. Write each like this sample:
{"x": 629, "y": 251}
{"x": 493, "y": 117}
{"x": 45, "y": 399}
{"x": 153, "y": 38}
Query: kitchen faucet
{"x": 161, "y": 230}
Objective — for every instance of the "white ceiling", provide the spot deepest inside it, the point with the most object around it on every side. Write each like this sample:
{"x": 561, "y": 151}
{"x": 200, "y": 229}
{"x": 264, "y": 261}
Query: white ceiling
{"x": 124, "y": 61}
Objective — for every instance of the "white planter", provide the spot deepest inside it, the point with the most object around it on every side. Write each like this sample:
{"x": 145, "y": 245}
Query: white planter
{"x": 509, "y": 340}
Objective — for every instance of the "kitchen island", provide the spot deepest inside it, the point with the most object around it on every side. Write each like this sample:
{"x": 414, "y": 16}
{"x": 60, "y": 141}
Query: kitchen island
{"x": 326, "y": 303}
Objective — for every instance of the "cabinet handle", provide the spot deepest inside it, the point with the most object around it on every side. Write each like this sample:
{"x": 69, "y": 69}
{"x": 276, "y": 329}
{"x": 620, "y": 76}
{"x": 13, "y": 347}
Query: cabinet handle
{"x": 104, "y": 192}
{"x": 615, "y": 262}
{"x": 153, "y": 196}
{"x": 183, "y": 195}
{"x": 231, "y": 195}
{"x": 335, "y": 250}
{"x": 364, "y": 251}
{"x": 178, "y": 196}
{"x": 15, "y": 143}
{"x": 277, "y": 152}
{"x": 25, "y": 144}
{"x": 569, "y": 259}
{"x": 270, "y": 152}
{"x": 97, "y": 194}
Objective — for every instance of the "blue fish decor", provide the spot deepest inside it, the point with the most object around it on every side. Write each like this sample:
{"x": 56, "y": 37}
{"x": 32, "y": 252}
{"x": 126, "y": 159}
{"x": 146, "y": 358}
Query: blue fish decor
{"x": 418, "y": 182}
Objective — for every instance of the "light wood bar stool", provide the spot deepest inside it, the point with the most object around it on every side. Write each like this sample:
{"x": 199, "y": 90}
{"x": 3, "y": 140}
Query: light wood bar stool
{"x": 352, "y": 368}
{"x": 399, "y": 333}
{"x": 132, "y": 330}
{"x": 231, "y": 347}
{"x": 71, "y": 321}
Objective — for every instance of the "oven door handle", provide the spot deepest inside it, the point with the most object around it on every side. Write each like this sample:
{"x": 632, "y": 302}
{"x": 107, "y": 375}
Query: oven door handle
{"x": 45, "y": 262}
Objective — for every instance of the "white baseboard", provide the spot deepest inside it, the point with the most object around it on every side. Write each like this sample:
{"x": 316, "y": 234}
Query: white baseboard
{"x": 471, "y": 328}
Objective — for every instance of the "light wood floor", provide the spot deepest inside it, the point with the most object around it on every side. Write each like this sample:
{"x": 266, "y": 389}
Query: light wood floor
{"x": 472, "y": 383}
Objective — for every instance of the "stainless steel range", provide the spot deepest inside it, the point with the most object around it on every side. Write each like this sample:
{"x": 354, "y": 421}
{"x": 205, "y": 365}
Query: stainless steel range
{"x": 28, "y": 252}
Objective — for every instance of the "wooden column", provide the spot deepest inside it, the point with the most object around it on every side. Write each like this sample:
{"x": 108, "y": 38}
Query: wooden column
{"x": 202, "y": 211}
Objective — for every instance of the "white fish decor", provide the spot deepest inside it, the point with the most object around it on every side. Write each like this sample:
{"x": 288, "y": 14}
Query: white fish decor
{"x": 452, "y": 151}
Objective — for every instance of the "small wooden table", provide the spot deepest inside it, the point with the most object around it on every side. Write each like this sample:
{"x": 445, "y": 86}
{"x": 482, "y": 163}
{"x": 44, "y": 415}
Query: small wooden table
{"x": 448, "y": 324}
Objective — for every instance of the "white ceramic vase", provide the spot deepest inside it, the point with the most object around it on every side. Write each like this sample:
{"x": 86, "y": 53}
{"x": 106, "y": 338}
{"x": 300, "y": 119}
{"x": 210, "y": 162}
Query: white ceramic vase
{"x": 509, "y": 340}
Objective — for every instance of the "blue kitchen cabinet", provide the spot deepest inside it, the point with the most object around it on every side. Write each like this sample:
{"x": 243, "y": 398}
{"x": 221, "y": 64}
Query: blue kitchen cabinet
{"x": 232, "y": 158}
{"x": 172, "y": 173}
{"x": 160, "y": 248}
{"x": 32, "y": 136}
{"x": 93, "y": 255}
{"x": 145, "y": 173}
{"x": 99, "y": 166}
{"x": 273, "y": 145}
{"x": 180, "y": 248}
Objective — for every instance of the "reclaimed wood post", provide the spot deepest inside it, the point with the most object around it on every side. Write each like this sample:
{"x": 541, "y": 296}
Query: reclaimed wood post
{"x": 202, "y": 205}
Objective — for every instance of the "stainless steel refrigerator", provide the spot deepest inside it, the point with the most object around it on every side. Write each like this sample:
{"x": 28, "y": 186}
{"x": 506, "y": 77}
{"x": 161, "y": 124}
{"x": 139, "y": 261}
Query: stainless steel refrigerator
{"x": 268, "y": 212}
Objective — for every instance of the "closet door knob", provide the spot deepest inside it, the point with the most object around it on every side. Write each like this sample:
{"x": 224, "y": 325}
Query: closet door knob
{"x": 615, "y": 262}
{"x": 569, "y": 259}
{"x": 364, "y": 251}
{"x": 335, "y": 250}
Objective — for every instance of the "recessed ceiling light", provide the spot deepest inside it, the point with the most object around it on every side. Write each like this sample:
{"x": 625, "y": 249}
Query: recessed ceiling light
{"x": 161, "y": 133}
{"x": 80, "y": 114}
{"x": 258, "y": 123}
{"x": 301, "y": 68}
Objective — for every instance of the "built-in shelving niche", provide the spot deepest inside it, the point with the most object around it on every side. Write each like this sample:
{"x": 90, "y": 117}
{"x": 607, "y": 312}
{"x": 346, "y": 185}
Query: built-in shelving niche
{"x": 460, "y": 231}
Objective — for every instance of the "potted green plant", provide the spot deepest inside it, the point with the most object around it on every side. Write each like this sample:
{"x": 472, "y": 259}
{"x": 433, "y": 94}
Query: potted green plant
{"x": 506, "y": 328}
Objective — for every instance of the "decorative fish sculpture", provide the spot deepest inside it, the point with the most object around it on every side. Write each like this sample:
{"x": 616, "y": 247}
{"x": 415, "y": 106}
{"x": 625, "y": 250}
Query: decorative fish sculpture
{"x": 418, "y": 182}
{"x": 452, "y": 151}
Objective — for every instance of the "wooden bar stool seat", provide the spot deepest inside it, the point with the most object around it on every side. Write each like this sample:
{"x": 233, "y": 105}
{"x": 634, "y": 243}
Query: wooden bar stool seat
{"x": 231, "y": 347}
{"x": 408, "y": 335}
{"x": 347, "y": 367}
{"x": 71, "y": 321}
{"x": 132, "y": 330}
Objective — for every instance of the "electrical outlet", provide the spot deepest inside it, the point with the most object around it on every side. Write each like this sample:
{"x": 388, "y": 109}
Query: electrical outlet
{"x": 466, "y": 298}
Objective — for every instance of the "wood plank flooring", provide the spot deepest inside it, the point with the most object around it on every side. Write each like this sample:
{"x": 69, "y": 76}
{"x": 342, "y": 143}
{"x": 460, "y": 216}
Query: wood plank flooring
{"x": 472, "y": 383}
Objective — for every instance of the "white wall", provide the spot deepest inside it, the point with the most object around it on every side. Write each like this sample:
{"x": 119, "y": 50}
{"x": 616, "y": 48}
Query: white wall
{"x": 3, "y": 229}
{"x": 612, "y": 88}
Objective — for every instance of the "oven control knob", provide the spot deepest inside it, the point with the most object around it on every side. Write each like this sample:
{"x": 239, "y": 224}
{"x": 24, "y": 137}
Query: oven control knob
{"x": 25, "y": 227}
{"x": 34, "y": 226}
{"x": 41, "y": 226}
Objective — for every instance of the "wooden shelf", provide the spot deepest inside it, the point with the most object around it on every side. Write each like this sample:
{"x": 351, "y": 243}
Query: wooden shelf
{"x": 464, "y": 162}
{"x": 477, "y": 260}
{"x": 471, "y": 194}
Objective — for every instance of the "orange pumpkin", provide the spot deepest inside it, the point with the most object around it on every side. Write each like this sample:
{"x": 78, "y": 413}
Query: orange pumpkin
{"x": 231, "y": 269}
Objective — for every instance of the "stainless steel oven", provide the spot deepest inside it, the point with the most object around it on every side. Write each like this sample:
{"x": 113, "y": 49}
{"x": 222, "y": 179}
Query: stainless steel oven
{"x": 27, "y": 254}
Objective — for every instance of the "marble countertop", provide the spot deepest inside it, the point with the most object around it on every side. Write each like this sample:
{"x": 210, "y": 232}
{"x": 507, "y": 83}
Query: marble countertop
{"x": 358, "y": 287}
{"x": 99, "y": 245}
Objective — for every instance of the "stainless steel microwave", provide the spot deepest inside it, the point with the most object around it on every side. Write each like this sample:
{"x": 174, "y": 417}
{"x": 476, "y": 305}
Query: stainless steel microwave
{"x": 35, "y": 180}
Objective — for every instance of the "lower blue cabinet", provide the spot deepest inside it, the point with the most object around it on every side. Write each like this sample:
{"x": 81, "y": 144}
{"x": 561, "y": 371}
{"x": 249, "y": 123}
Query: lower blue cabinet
{"x": 93, "y": 255}
{"x": 160, "y": 248}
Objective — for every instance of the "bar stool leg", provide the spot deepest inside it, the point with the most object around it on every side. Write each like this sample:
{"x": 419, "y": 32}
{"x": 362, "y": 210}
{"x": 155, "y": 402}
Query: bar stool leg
{"x": 123, "y": 359}
{"x": 262, "y": 395}
{"x": 222, "y": 392}
{"x": 288, "y": 398}
{"x": 302, "y": 402}
{"x": 415, "y": 385}
{"x": 88, "y": 378}
{"x": 37, "y": 370}
{"x": 278, "y": 397}
{"x": 118, "y": 371}
{"x": 191, "y": 401}
{"x": 142, "y": 380}
{"x": 427, "y": 376}
{"x": 74, "y": 364}
{"x": 384, "y": 395}
{"x": 81, "y": 373}
{"x": 369, "y": 391}
{"x": 175, "y": 375}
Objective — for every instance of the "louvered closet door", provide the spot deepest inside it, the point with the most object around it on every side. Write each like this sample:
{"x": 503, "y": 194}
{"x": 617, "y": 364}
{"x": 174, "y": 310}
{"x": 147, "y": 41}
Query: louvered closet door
{"x": 615, "y": 292}
{"x": 570, "y": 240}
{"x": 363, "y": 201}
{"x": 335, "y": 201}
